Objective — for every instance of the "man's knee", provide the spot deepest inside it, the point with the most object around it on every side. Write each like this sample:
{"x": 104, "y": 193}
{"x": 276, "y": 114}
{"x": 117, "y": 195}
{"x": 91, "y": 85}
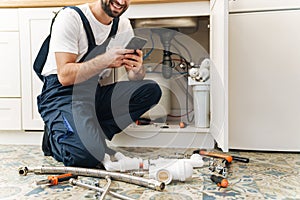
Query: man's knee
{"x": 151, "y": 91}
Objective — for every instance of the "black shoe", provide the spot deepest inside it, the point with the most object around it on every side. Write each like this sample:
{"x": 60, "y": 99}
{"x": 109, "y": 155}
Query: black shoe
{"x": 46, "y": 147}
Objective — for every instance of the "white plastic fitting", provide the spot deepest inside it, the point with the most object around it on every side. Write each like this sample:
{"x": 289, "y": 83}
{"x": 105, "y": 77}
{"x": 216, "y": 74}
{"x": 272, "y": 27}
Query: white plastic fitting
{"x": 166, "y": 170}
{"x": 201, "y": 73}
{"x": 179, "y": 170}
{"x": 122, "y": 164}
{"x": 205, "y": 63}
{"x": 194, "y": 72}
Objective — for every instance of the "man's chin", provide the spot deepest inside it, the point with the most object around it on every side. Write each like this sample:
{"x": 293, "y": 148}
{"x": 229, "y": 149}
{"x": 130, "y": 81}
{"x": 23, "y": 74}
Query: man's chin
{"x": 117, "y": 13}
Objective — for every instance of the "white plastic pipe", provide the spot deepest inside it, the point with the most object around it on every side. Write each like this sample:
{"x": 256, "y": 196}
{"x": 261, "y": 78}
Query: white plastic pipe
{"x": 122, "y": 164}
{"x": 166, "y": 170}
{"x": 201, "y": 73}
{"x": 161, "y": 169}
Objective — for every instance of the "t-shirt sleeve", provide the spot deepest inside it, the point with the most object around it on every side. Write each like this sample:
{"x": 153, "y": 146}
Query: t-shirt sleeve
{"x": 65, "y": 32}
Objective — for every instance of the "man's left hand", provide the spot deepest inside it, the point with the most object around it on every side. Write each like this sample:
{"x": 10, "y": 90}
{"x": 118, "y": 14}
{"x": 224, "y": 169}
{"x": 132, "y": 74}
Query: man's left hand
{"x": 134, "y": 65}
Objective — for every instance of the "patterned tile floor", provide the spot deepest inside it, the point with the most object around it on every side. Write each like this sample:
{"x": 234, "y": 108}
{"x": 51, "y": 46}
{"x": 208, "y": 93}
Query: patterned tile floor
{"x": 266, "y": 176}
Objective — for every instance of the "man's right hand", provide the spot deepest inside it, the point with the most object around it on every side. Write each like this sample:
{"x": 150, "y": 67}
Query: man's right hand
{"x": 114, "y": 57}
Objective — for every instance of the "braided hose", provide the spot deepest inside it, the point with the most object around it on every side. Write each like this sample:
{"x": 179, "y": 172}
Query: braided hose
{"x": 149, "y": 183}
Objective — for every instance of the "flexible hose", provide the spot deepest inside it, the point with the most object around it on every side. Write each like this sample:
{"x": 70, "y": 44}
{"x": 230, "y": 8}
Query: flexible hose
{"x": 149, "y": 183}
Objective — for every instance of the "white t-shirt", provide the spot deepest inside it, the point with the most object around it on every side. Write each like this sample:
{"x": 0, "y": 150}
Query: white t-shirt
{"x": 68, "y": 35}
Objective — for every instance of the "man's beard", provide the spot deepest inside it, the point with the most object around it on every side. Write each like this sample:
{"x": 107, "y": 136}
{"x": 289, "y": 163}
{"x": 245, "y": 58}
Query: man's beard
{"x": 106, "y": 7}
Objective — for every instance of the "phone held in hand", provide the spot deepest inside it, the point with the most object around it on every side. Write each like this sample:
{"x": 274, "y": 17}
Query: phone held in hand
{"x": 136, "y": 43}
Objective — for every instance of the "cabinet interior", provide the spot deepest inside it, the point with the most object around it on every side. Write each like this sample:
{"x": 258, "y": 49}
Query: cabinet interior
{"x": 188, "y": 39}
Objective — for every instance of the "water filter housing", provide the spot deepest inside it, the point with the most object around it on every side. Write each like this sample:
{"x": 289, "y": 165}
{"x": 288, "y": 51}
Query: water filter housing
{"x": 201, "y": 97}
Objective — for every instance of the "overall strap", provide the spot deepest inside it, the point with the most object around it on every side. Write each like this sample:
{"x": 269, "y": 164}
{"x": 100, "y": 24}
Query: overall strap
{"x": 87, "y": 28}
{"x": 42, "y": 55}
{"x": 53, "y": 19}
{"x": 114, "y": 28}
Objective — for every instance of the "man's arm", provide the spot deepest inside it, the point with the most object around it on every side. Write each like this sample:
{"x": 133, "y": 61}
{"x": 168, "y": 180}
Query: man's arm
{"x": 69, "y": 72}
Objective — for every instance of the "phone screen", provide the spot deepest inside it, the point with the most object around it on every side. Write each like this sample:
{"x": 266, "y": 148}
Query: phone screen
{"x": 136, "y": 43}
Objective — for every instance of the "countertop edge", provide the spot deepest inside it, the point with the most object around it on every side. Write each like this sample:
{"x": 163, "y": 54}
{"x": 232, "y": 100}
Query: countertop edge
{"x": 39, "y": 3}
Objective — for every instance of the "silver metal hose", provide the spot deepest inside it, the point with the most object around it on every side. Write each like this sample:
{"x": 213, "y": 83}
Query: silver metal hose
{"x": 149, "y": 183}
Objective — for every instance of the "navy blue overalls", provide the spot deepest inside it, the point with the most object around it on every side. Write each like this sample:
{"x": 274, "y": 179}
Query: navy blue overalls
{"x": 80, "y": 117}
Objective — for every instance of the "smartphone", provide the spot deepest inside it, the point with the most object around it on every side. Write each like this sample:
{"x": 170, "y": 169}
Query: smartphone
{"x": 136, "y": 43}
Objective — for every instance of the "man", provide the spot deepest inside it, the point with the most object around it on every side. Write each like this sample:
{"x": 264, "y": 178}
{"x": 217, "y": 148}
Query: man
{"x": 78, "y": 112}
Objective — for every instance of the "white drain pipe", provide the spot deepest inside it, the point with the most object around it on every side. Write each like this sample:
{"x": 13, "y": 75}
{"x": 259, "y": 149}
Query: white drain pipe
{"x": 161, "y": 169}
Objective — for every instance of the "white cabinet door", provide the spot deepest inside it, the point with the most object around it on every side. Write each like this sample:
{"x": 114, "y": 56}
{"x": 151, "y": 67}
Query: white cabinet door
{"x": 10, "y": 116}
{"x": 264, "y": 80}
{"x": 10, "y": 67}
{"x": 34, "y": 28}
{"x": 219, "y": 71}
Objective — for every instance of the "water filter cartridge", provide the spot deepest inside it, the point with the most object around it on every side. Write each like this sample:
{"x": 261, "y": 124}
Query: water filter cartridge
{"x": 201, "y": 105}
